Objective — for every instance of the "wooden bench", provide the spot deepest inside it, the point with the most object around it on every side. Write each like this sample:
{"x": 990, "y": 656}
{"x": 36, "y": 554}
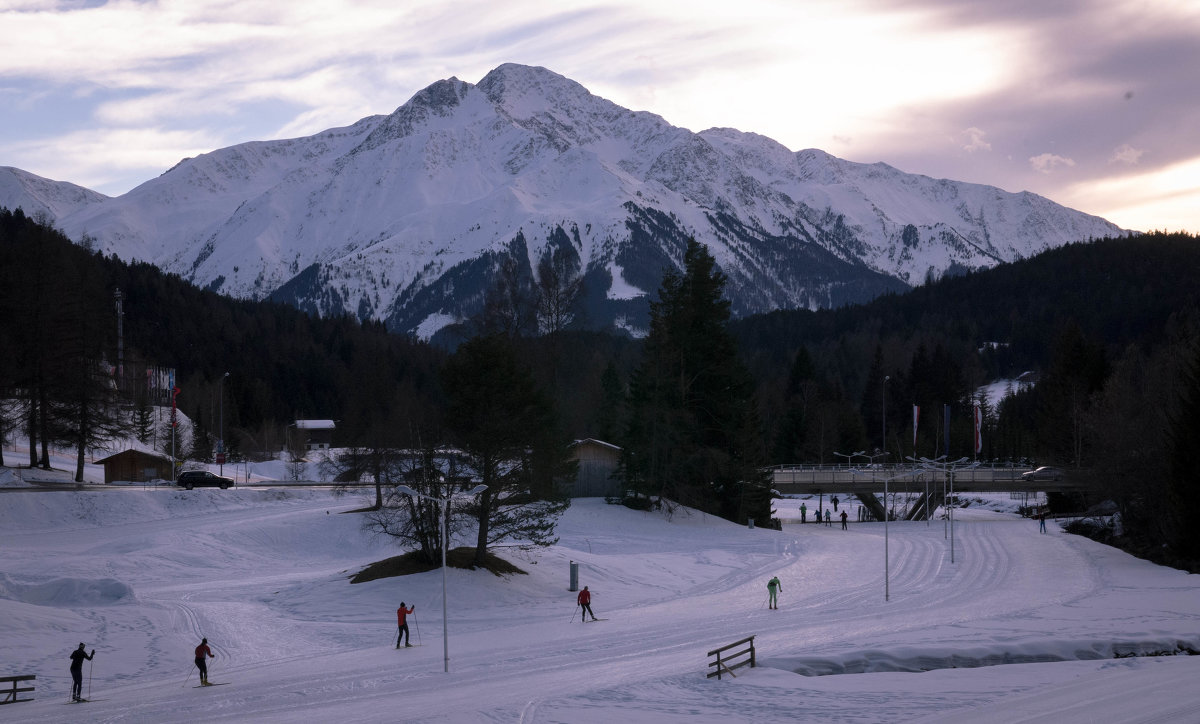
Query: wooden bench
{"x": 728, "y": 662}
{"x": 10, "y": 694}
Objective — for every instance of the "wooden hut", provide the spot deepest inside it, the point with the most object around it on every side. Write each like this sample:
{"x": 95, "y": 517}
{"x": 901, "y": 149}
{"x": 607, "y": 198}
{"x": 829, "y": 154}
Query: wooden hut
{"x": 136, "y": 466}
{"x": 597, "y": 463}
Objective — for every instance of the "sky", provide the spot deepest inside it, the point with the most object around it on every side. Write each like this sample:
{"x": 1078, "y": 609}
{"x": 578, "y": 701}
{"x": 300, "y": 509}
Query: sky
{"x": 1091, "y": 103}
{"x": 985, "y": 621}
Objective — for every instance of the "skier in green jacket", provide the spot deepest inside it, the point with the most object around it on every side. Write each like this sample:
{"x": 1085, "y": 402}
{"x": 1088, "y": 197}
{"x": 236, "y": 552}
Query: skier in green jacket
{"x": 773, "y": 587}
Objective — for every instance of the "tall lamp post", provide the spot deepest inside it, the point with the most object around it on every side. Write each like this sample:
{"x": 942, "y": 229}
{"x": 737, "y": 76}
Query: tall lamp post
{"x": 887, "y": 593}
{"x": 947, "y": 470}
{"x": 221, "y": 429}
{"x": 883, "y": 413}
{"x": 850, "y": 456}
{"x": 445, "y": 504}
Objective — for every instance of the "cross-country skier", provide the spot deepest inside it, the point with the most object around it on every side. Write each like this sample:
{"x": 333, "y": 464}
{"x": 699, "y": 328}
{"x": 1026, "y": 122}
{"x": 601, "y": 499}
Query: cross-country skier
{"x": 844, "y": 516}
{"x": 201, "y": 651}
{"x": 402, "y": 624}
{"x": 773, "y": 587}
{"x": 585, "y": 601}
{"x": 77, "y": 657}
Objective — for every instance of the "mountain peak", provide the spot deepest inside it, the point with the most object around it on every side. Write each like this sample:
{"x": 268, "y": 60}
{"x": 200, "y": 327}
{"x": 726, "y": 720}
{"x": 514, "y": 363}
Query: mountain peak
{"x": 39, "y": 195}
{"x": 408, "y": 218}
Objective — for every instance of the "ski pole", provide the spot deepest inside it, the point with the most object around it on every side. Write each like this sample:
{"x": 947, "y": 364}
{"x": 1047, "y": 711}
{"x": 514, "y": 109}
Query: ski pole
{"x": 417, "y": 625}
{"x": 187, "y": 678}
{"x": 90, "y": 663}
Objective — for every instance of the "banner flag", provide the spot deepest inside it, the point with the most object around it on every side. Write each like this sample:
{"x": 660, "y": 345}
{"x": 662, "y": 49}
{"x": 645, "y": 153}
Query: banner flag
{"x": 946, "y": 419}
{"x": 916, "y": 414}
{"x": 978, "y": 430}
{"x": 174, "y": 394}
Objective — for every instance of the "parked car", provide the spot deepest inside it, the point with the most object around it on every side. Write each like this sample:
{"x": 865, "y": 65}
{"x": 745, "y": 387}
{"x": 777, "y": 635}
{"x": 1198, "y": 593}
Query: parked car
{"x": 1046, "y": 472}
{"x": 202, "y": 479}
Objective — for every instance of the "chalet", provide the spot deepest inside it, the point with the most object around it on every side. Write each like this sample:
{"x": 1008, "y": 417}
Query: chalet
{"x": 313, "y": 434}
{"x": 597, "y": 464}
{"x": 136, "y": 466}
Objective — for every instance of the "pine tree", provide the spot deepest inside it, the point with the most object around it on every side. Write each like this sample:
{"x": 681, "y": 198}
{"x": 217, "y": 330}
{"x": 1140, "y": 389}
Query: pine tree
{"x": 693, "y": 430}
{"x": 508, "y": 431}
{"x": 1183, "y": 480}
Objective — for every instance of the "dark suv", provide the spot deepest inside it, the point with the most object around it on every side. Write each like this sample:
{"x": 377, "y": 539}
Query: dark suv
{"x": 202, "y": 479}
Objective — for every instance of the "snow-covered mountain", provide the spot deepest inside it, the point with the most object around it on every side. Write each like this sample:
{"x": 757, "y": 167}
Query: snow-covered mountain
{"x": 408, "y": 217}
{"x": 37, "y": 196}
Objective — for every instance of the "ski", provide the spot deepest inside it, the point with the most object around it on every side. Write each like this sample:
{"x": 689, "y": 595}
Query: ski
{"x": 219, "y": 683}
{"x": 596, "y": 619}
{"x": 83, "y": 701}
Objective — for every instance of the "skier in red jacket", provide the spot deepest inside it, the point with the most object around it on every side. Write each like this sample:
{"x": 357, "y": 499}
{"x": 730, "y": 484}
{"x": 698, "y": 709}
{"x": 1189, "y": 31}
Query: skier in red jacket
{"x": 201, "y": 651}
{"x": 402, "y": 624}
{"x": 585, "y": 601}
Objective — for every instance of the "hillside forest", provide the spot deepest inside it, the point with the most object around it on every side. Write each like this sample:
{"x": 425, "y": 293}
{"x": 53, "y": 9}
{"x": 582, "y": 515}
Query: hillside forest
{"x": 1099, "y": 340}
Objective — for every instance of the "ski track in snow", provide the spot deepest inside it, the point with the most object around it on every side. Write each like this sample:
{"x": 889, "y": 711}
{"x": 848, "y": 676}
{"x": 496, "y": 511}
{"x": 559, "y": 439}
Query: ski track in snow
{"x": 263, "y": 576}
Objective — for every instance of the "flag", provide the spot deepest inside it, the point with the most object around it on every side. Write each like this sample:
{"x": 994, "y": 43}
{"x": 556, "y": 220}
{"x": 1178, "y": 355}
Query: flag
{"x": 946, "y": 420}
{"x": 978, "y": 430}
{"x": 916, "y": 414}
{"x": 174, "y": 394}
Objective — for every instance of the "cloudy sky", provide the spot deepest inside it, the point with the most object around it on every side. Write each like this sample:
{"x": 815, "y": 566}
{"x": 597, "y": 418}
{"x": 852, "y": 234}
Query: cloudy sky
{"x": 1092, "y": 103}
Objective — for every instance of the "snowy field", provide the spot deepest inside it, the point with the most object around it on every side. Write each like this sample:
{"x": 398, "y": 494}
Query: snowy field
{"x": 1020, "y": 627}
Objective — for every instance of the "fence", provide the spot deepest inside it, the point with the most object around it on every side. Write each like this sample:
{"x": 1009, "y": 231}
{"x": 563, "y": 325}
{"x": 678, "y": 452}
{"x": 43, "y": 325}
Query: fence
{"x": 10, "y": 695}
{"x": 727, "y": 663}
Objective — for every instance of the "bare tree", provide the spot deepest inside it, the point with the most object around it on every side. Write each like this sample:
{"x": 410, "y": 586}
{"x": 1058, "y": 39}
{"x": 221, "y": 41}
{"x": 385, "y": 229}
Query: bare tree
{"x": 557, "y": 290}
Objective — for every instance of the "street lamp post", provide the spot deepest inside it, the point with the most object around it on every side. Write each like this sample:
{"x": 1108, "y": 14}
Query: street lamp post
{"x": 850, "y": 456}
{"x": 221, "y": 429}
{"x": 883, "y": 413}
{"x": 445, "y": 504}
{"x": 947, "y": 470}
{"x": 886, "y": 514}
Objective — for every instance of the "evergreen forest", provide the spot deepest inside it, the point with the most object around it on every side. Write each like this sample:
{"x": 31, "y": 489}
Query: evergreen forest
{"x": 1100, "y": 340}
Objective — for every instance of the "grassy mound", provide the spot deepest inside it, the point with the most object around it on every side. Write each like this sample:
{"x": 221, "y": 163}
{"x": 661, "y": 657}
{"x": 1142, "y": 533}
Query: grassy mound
{"x": 413, "y": 562}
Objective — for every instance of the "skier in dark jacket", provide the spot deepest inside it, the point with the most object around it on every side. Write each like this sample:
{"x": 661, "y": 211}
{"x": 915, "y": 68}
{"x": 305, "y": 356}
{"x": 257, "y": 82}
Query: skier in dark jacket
{"x": 201, "y": 651}
{"x": 77, "y": 657}
{"x": 584, "y": 599}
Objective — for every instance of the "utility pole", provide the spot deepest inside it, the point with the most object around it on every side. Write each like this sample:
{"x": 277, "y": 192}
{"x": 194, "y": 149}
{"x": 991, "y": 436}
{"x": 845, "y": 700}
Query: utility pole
{"x": 120, "y": 298}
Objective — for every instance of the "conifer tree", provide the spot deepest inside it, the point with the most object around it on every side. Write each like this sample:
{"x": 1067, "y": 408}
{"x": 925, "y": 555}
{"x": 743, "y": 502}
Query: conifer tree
{"x": 1183, "y": 480}
{"x": 693, "y": 432}
{"x": 508, "y": 430}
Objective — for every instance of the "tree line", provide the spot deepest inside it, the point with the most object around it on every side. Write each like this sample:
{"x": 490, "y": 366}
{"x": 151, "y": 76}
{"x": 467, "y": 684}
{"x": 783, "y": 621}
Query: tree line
{"x": 699, "y": 405}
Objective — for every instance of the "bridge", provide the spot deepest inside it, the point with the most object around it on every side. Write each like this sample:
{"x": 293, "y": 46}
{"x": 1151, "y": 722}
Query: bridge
{"x": 865, "y": 482}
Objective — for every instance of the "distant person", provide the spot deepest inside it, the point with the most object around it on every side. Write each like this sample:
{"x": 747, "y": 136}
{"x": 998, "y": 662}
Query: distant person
{"x": 835, "y": 502}
{"x": 1042, "y": 521}
{"x": 584, "y": 599}
{"x": 402, "y": 625}
{"x": 77, "y": 657}
{"x": 844, "y": 516}
{"x": 203, "y": 651}
{"x": 803, "y": 513}
{"x": 773, "y": 588}
{"x": 828, "y": 518}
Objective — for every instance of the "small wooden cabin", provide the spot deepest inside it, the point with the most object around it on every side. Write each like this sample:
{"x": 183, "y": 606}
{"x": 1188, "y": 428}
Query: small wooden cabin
{"x": 597, "y": 464}
{"x": 136, "y": 466}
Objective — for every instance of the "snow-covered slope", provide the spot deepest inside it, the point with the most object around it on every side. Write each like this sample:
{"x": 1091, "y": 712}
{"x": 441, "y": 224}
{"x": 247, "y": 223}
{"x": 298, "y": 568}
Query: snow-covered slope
{"x": 993, "y": 623}
{"x": 36, "y": 195}
{"x": 407, "y": 217}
